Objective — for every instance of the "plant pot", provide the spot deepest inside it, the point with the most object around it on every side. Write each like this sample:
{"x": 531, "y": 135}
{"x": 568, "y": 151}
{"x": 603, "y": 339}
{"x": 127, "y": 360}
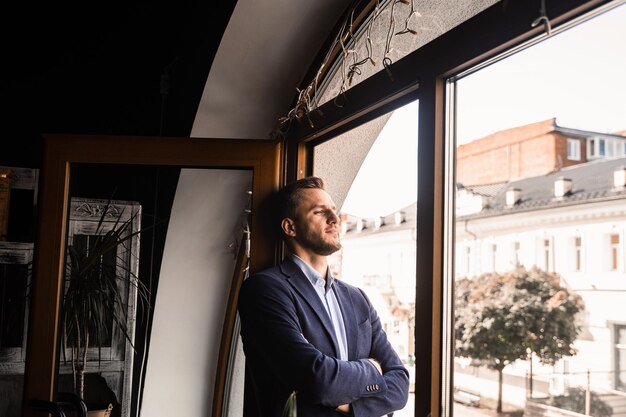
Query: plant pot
{"x": 93, "y": 413}
{"x": 100, "y": 413}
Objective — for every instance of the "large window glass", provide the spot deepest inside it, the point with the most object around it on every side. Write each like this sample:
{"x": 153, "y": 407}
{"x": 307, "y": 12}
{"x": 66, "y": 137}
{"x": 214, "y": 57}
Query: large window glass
{"x": 537, "y": 192}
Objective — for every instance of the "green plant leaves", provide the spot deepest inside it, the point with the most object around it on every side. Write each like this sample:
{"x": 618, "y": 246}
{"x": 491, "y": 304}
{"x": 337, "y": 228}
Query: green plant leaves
{"x": 98, "y": 281}
{"x": 291, "y": 406}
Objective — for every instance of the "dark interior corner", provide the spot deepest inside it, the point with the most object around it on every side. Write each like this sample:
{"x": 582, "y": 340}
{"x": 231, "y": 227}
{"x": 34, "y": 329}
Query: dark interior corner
{"x": 114, "y": 68}
{"x": 106, "y": 68}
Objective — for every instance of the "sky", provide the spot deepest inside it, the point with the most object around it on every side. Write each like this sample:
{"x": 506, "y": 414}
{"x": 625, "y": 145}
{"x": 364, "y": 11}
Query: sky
{"x": 577, "y": 76}
{"x": 387, "y": 180}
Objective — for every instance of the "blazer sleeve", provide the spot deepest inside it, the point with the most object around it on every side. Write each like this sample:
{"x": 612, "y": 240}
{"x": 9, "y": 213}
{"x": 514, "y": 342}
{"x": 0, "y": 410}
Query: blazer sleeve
{"x": 395, "y": 374}
{"x": 271, "y": 333}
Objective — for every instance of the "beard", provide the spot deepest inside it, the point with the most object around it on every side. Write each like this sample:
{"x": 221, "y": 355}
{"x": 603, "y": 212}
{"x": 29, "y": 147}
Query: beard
{"x": 317, "y": 243}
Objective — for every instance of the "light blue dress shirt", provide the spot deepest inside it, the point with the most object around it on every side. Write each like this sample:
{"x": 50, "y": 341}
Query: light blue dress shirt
{"x": 323, "y": 288}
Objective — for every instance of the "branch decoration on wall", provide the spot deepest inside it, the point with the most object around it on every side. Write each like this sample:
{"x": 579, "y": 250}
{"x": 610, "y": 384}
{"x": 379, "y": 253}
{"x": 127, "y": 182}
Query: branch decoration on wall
{"x": 370, "y": 35}
{"x": 348, "y": 60}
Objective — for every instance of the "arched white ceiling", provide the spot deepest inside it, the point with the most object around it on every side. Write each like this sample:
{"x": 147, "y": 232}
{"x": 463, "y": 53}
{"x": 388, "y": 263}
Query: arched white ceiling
{"x": 267, "y": 48}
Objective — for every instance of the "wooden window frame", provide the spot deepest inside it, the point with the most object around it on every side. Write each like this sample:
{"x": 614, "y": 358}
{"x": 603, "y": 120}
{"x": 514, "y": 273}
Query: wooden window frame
{"x": 423, "y": 75}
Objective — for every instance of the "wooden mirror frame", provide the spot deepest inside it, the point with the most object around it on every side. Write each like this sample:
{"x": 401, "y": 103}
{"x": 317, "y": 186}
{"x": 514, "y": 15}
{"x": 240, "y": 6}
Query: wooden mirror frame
{"x": 262, "y": 157}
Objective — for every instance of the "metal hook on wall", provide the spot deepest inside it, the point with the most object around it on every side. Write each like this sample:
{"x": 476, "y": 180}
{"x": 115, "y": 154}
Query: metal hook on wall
{"x": 543, "y": 17}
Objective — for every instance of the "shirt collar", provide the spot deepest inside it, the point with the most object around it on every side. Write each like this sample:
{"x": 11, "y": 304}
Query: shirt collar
{"x": 312, "y": 275}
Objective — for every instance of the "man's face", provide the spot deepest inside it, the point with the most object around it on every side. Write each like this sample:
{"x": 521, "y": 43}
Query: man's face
{"x": 317, "y": 223}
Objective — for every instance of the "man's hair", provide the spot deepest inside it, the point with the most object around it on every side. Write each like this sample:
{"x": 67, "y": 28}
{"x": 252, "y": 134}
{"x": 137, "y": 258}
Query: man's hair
{"x": 285, "y": 201}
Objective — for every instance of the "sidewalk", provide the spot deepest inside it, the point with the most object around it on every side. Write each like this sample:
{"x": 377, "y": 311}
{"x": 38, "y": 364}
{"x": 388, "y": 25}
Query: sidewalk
{"x": 461, "y": 410}
{"x": 513, "y": 395}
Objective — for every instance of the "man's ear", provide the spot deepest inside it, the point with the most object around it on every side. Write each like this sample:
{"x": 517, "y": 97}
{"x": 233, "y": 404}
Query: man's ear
{"x": 289, "y": 227}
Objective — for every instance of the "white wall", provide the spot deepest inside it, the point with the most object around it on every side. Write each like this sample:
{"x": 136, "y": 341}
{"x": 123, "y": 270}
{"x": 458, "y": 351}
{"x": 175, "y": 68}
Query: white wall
{"x": 193, "y": 286}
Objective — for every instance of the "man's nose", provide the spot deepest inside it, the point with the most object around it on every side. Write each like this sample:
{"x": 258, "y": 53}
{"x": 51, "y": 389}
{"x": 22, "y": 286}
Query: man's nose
{"x": 333, "y": 217}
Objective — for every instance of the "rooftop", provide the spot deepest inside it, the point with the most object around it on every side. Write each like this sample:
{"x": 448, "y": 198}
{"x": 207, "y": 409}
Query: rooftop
{"x": 402, "y": 219}
{"x": 590, "y": 182}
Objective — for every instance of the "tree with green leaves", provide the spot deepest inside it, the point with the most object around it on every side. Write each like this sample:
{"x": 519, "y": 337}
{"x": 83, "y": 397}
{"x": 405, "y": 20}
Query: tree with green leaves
{"x": 499, "y": 318}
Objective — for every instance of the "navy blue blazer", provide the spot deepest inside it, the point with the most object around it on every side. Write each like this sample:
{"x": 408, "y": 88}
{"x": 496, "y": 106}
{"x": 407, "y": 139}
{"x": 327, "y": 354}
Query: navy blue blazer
{"x": 289, "y": 344}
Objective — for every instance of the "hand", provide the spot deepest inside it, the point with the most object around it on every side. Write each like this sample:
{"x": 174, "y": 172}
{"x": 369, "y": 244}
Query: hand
{"x": 376, "y": 364}
{"x": 345, "y": 408}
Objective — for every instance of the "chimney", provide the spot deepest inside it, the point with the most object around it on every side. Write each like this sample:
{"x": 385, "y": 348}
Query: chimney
{"x": 399, "y": 218}
{"x": 344, "y": 223}
{"x": 513, "y": 196}
{"x": 562, "y": 187}
{"x": 378, "y": 222}
{"x": 360, "y": 225}
{"x": 619, "y": 177}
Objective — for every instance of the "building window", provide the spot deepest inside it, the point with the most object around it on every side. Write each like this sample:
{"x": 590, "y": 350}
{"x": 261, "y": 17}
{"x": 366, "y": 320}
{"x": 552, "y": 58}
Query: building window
{"x": 573, "y": 149}
{"x": 619, "y": 355}
{"x": 494, "y": 256}
{"x": 396, "y": 327}
{"x": 591, "y": 149}
{"x": 611, "y": 148}
{"x": 516, "y": 249}
{"x": 546, "y": 254}
{"x": 577, "y": 253}
{"x": 598, "y": 148}
{"x": 620, "y": 148}
{"x": 614, "y": 252}
{"x": 601, "y": 147}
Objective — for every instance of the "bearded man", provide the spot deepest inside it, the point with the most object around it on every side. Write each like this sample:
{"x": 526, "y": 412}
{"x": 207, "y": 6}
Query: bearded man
{"x": 306, "y": 332}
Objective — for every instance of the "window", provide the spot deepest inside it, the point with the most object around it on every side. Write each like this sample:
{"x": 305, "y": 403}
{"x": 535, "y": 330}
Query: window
{"x": 601, "y": 147}
{"x": 516, "y": 253}
{"x": 552, "y": 243}
{"x": 614, "y": 252}
{"x": 444, "y": 386}
{"x": 577, "y": 253}
{"x": 591, "y": 148}
{"x": 619, "y": 356}
{"x": 573, "y": 149}
{"x": 546, "y": 254}
{"x": 618, "y": 147}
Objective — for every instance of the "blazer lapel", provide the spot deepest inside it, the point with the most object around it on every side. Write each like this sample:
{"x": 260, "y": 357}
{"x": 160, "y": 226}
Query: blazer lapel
{"x": 349, "y": 317}
{"x": 301, "y": 284}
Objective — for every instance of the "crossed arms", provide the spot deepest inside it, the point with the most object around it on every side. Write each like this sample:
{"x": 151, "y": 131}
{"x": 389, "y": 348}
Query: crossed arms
{"x": 276, "y": 324}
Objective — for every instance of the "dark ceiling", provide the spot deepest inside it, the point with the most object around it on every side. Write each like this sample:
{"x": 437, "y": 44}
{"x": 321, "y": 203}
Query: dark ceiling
{"x": 120, "y": 68}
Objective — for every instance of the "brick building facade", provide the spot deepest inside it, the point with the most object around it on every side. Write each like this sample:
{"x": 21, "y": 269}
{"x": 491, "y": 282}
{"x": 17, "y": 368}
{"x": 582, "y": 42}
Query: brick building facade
{"x": 531, "y": 150}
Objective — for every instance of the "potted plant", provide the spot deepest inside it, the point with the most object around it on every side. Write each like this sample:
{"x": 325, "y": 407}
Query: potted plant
{"x": 97, "y": 289}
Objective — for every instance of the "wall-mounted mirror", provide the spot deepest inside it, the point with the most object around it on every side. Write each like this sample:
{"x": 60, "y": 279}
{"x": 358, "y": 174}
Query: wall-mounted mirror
{"x": 152, "y": 227}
